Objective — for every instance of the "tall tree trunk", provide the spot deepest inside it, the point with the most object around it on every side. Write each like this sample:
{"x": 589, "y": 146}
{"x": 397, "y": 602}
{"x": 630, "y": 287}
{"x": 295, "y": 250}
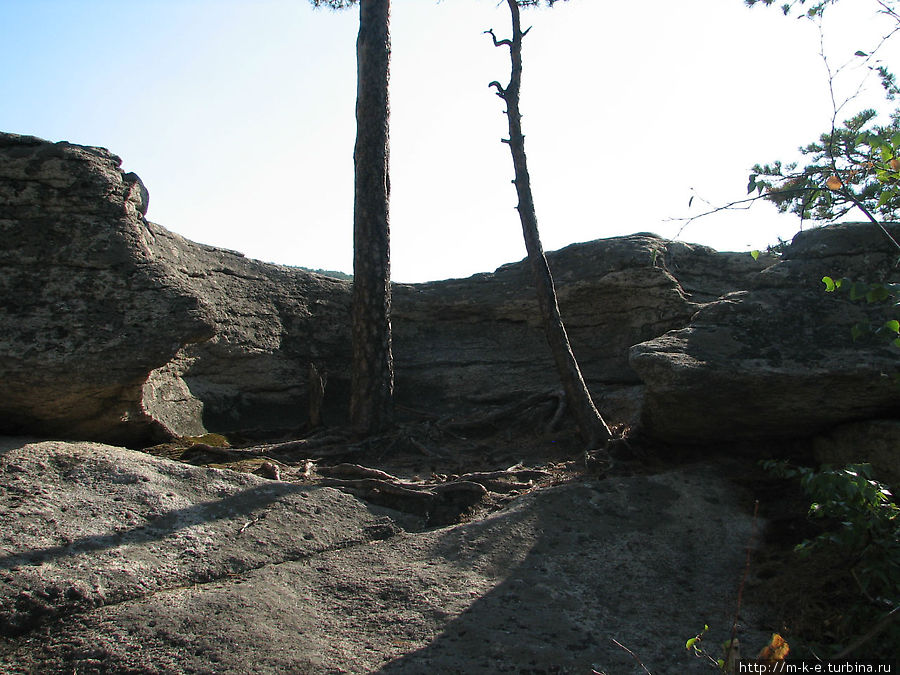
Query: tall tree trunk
{"x": 593, "y": 429}
{"x": 372, "y": 379}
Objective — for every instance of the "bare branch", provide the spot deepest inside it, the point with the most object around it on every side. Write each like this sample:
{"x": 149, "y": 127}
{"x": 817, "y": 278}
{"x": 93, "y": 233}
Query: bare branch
{"x": 498, "y": 43}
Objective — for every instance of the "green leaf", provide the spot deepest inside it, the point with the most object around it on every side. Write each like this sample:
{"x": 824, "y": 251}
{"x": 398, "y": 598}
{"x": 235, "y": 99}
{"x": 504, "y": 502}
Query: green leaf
{"x": 860, "y": 53}
{"x": 893, "y": 325}
{"x": 856, "y": 332}
{"x": 828, "y": 281}
{"x": 877, "y": 293}
{"x": 754, "y": 254}
{"x": 886, "y": 196}
{"x": 690, "y": 643}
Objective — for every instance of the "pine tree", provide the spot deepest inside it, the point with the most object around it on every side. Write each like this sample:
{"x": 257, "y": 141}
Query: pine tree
{"x": 372, "y": 376}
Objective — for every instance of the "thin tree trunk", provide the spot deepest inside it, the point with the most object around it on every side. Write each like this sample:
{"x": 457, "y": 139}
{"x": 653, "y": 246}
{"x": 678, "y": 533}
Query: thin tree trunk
{"x": 316, "y": 395}
{"x": 593, "y": 429}
{"x": 372, "y": 379}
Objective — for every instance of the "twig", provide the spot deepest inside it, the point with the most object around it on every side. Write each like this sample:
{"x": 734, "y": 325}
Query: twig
{"x": 737, "y": 609}
{"x": 355, "y": 471}
{"x": 883, "y": 623}
{"x": 633, "y": 655}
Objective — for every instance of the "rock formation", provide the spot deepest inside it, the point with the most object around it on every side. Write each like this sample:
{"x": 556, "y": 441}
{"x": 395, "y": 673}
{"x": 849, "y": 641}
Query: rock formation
{"x": 87, "y": 310}
{"x": 115, "y": 329}
{"x": 777, "y": 359}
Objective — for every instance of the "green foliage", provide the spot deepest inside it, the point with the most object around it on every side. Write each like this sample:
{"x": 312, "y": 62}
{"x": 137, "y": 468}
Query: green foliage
{"x": 815, "y": 8}
{"x": 776, "y": 250}
{"x": 866, "y": 522}
{"x": 335, "y": 274}
{"x": 730, "y": 652}
{"x": 334, "y": 4}
{"x": 854, "y": 166}
{"x": 872, "y": 293}
{"x": 695, "y": 646}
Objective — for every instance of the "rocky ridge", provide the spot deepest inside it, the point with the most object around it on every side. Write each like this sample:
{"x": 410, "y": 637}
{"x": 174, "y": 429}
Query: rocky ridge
{"x": 118, "y": 330}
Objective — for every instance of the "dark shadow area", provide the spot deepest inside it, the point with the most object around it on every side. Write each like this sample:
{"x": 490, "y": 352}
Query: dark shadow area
{"x": 588, "y": 569}
{"x": 9, "y": 443}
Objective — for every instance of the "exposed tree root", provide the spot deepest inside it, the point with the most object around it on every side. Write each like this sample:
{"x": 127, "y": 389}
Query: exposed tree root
{"x": 438, "y": 469}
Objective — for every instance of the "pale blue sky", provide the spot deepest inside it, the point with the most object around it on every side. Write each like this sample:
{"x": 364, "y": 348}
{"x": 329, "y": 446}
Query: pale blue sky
{"x": 239, "y": 117}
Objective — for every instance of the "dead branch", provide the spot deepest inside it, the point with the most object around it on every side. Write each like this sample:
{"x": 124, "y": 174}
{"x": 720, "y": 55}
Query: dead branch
{"x": 506, "y": 481}
{"x": 355, "y": 471}
{"x": 498, "y": 43}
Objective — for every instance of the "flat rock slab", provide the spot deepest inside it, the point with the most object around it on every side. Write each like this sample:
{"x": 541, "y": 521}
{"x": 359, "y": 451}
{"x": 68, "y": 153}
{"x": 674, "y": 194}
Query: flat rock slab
{"x": 85, "y": 525}
{"x": 539, "y": 587}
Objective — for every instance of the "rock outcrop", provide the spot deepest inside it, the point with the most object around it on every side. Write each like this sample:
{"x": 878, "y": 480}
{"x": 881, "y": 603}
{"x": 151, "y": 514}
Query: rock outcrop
{"x": 777, "y": 359}
{"x": 87, "y": 310}
{"x": 116, "y": 329}
{"x": 112, "y": 328}
{"x": 480, "y": 340}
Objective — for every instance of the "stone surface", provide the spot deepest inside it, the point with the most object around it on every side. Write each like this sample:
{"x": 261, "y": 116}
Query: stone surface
{"x": 87, "y": 525}
{"x": 479, "y": 340}
{"x": 116, "y": 562}
{"x": 777, "y": 360}
{"x": 116, "y": 329}
{"x": 87, "y": 311}
{"x": 271, "y": 322}
{"x": 874, "y": 441}
{"x": 102, "y": 311}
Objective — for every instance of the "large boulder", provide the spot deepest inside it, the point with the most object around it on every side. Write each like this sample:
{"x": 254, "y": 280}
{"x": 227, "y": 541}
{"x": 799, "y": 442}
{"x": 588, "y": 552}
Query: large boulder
{"x": 112, "y": 328}
{"x": 87, "y": 311}
{"x": 271, "y": 322}
{"x": 777, "y": 360}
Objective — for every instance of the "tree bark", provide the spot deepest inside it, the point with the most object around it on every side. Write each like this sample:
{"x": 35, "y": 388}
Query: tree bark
{"x": 591, "y": 425}
{"x": 372, "y": 379}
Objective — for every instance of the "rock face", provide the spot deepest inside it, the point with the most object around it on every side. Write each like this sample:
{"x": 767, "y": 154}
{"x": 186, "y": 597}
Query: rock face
{"x": 479, "y": 340}
{"x": 104, "y": 312}
{"x": 777, "y": 359}
{"x": 87, "y": 311}
{"x": 113, "y": 328}
{"x": 271, "y": 322}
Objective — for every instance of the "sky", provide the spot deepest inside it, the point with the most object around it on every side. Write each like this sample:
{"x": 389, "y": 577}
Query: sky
{"x": 239, "y": 117}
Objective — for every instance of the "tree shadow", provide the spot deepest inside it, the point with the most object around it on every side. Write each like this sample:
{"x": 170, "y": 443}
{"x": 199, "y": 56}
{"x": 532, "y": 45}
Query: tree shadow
{"x": 647, "y": 565}
{"x": 242, "y": 503}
